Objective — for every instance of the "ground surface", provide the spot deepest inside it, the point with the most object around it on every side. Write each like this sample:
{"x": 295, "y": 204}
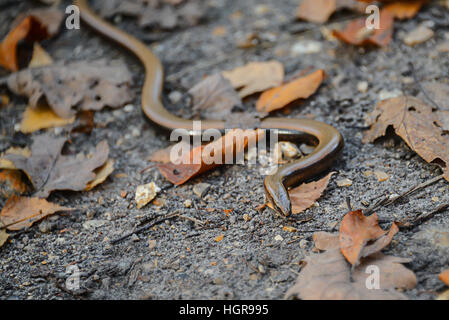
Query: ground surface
{"x": 184, "y": 261}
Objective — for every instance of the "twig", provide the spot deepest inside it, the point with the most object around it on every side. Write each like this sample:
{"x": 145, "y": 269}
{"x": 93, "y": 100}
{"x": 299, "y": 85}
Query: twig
{"x": 146, "y": 227}
{"x": 387, "y": 201}
{"x": 202, "y": 223}
{"x": 423, "y": 218}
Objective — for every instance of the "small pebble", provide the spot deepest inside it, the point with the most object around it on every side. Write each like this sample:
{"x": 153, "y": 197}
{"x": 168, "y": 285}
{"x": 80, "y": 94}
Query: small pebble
{"x": 362, "y": 86}
{"x": 344, "y": 182}
{"x": 419, "y": 35}
{"x": 303, "y": 244}
{"x": 188, "y": 203}
{"x": 128, "y": 108}
{"x": 278, "y": 238}
{"x": 200, "y": 189}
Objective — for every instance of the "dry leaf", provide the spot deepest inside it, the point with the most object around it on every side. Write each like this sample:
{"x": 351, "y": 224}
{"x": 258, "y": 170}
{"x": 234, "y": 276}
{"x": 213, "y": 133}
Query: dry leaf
{"x": 40, "y": 57}
{"x": 214, "y": 97}
{"x": 206, "y": 157}
{"x": 300, "y": 88}
{"x": 404, "y": 9}
{"x": 22, "y": 212}
{"x": 356, "y": 33}
{"x": 256, "y": 77}
{"x": 305, "y": 195}
{"x": 3, "y": 237}
{"x": 42, "y": 117}
{"x": 444, "y": 276}
{"x": 48, "y": 170}
{"x": 101, "y": 174}
{"x": 327, "y": 276}
{"x": 163, "y": 155}
{"x": 356, "y": 233}
{"x": 167, "y": 14}
{"x": 87, "y": 85}
{"x": 319, "y": 11}
{"x": 417, "y": 124}
{"x": 11, "y": 182}
{"x": 7, "y": 164}
{"x": 33, "y": 26}
{"x": 219, "y": 238}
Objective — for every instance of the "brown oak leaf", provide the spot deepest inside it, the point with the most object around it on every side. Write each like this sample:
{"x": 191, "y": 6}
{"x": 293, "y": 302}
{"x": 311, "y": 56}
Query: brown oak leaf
{"x": 22, "y": 212}
{"x": 417, "y": 124}
{"x": 319, "y": 11}
{"x": 327, "y": 276}
{"x": 49, "y": 170}
{"x": 86, "y": 85}
{"x": 361, "y": 236}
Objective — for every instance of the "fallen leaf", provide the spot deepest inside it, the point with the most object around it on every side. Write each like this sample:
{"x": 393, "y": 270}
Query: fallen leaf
{"x": 87, "y": 85}
{"x": 405, "y": 9}
{"x": 33, "y": 26}
{"x": 146, "y": 193}
{"x": 327, "y": 276}
{"x": 381, "y": 176}
{"x": 167, "y": 14}
{"x": 3, "y": 237}
{"x": 206, "y": 157}
{"x": 418, "y": 35}
{"x": 356, "y": 33}
{"x": 305, "y": 195}
{"x": 163, "y": 155}
{"x": 214, "y": 97}
{"x": 40, "y": 57}
{"x": 101, "y": 174}
{"x": 255, "y": 77}
{"x": 361, "y": 236}
{"x": 7, "y": 164}
{"x": 444, "y": 276}
{"x": 11, "y": 182}
{"x": 22, "y": 212}
{"x": 49, "y": 170}
{"x": 300, "y": 88}
{"x": 42, "y": 117}
{"x": 319, "y": 11}
{"x": 219, "y": 238}
{"x": 416, "y": 123}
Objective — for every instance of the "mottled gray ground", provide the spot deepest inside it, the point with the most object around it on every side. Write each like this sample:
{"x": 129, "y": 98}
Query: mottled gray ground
{"x": 183, "y": 261}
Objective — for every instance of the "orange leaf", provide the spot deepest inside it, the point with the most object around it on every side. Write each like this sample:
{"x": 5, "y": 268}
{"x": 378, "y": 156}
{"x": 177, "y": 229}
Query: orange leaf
{"x": 206, "y": 157}
{"x": 219, "y": 238}
{"x": 300, "y": 88}
{"x": 444, "y": 276}
{"x": 35, "y": 25}
{"x": 22, "y": 212}
{"x": 356, "y": 230}
{"x": 356, "y": 33}
{"x": 404, "y": 9}
{"x": 8, "y": 47}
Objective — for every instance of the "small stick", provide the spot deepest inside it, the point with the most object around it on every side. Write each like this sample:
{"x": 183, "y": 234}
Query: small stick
{"x": 148, "y": 226}
{"x": 387, "y": 201}
{"x": 423, "y": 218}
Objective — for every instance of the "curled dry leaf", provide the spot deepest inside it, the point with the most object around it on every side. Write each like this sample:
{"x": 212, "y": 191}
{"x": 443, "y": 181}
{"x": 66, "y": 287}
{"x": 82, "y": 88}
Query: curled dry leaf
{"x": 187, "y": 162}
{"x": 87, "y": 85}
{"x": 22, "y": 212}
{"x": 101, "y": 174}
{"x": 319, "y": 11}
{"x": 361, "y": 236}
{"x": 214, "y": 97}
{"x": 327, "y": 276}
{"x": 356, "y": 33}
{"x": 300, "y": 88}
{"x": 417, "y": 124}
{"x": 305, "y": 195}
{"x": 35, "y": 25}
{"x": 40, "y": 57}
{"x": 49, "y": 170}
{"x": 8, "y": 164}
{"x": 256, "y": 77}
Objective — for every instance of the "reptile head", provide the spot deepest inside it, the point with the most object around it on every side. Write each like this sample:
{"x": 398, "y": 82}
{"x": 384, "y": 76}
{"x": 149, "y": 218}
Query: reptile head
{"x": 277, "y": 195}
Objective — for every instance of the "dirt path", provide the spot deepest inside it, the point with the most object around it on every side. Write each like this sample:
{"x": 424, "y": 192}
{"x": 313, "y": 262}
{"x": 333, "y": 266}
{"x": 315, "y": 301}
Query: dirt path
{"x": 178, "y": 260}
